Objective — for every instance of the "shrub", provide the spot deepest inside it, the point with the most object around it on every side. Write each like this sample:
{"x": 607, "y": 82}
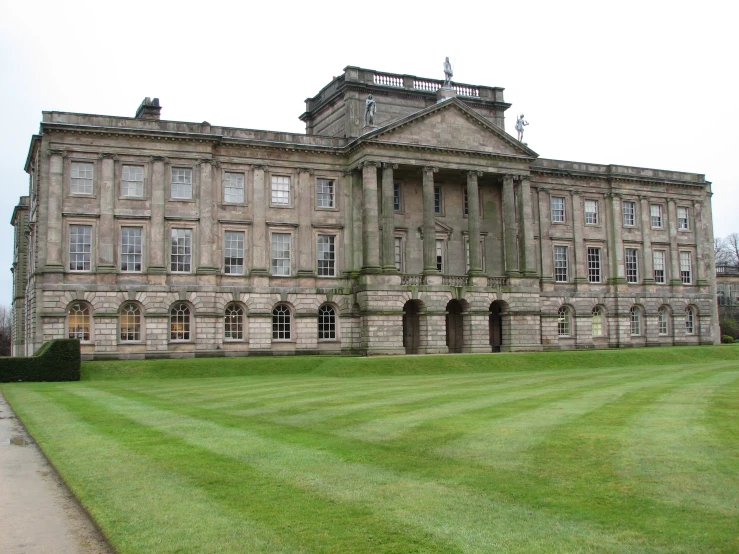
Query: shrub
{"x": 727, "y": 339}
{"x": 729, "y": 327}
{"x": 57, "y": 360}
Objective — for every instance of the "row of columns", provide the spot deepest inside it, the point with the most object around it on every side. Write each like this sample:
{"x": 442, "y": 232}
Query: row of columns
{"x": 516, "y": 263}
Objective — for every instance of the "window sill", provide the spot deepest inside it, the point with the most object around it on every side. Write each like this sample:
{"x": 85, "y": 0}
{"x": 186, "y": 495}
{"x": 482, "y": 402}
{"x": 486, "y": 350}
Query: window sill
{"x": 325, "y": 209}
{"x": 139, "y": 198}
{"x": 234, "y": 204}
{"x": 184, "y": 200}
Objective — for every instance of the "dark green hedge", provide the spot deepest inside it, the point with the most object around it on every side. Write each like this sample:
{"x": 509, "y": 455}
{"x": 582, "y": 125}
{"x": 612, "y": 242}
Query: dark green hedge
{"x": 57, "y": 360}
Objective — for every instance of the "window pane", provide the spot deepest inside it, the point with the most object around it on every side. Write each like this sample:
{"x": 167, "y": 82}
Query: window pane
{"x": 130, "y": 323}
{"x": 179, "y": 322}
{"x": 79, "y": 322}
{"x": 181, "y": 183}
{"x": 437, "y": 200}
{"x": 635, "y": 320}
{"x": 132, "y": 181}
{"x": 682, "y": 218}
{"x": 326, "y": 255}
{"x": 280, "y": 254}
{"x": 325, "y": 193}
{"x": 280, "y": 190}
{"x": 689, "y": 321}
{"x": 233, "y": 188}
{"x": 399, "y": 254}
{"x": 686, "y": 268}
{"x": 440, "y": 255}
{"x": 632, "y": 266}
{"x": 629, "y": 211}
{"x": 281, "y": 323}
{"x": 233, "y": 252}
{"x": 81, "y": 178}
{"x": 656, "y": 215}
{"x": 396, "y": 197}
{"x": 131, "y": 248}
{"x": 659, "y": 266}
{"x": 326, "y": 323}
{"x": 597, "y": 322}
{"x": 80, "y": 247}
{"x": 558, "y": 209}
{"x": 594, "y": 265}
{"x": 563, "y": 322}
{"x": 233, "y": 328}
{"x": 560, "y": 264}
{"x": 591, "y": 212}
{"x": 663, "y": 321}
{"x": 181, "y": 253}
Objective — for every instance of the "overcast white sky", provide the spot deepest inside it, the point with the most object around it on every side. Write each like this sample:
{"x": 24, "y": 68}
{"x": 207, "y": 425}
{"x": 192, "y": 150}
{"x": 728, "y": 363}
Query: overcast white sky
{"x": 650, "y": 84}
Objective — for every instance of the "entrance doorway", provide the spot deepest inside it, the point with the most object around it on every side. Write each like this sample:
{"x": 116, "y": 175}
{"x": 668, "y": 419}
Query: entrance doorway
{"x": 454, "y": 329}
{"x": 496, "y": 325}
{"x": 411, "y": 326}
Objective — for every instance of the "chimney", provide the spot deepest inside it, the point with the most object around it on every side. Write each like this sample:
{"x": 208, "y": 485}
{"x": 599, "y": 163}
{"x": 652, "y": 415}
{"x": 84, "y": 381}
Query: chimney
{"x": 149, "y": 109}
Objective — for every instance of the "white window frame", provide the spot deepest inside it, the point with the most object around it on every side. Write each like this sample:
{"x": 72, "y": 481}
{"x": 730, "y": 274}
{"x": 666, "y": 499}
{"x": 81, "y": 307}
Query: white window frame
{"x": 398, "y": 256}
{"x": 635, "y": 322}
{"x": 556, "y": 216}
{"x": 564, "y": 322}
{"x": 663, "y": 320}
{"x": 634, "y": 263}
{"x": 595, "y": 269}
{"x": 280, "y": 191}
{"x": 632, "y": 214}
{"x": 188, "y": 249}
{"x": 325, "y": 193}
{"x": 87, "y": 319}
{"x": 686, "y": 267}
{"x": 330, "y": 270}
{"x": 188, "y": 324}
{"x": 230, "y": 248}
{"x": 659, "y": 278}
{"x": 137, "y": 323}
{"x": 234, "y": 181}
{"x": 591, "y": 217}
{"x": 683, "y": 221}
{"x": 328, "y": 324}
{"x": 438, "y": 200}
{"x": 180, "y": 181}
{"x": 273, "y": 236}
{"x": 561, "y": 263}
{"x": 234, "y": 315}
{"x": 76, "y": 179}
{"x": 128, "y": 181}
{"x": 135, "y": 256}
{"x": 656, "y": 215}
{"x": 397, "y": 197}
{"x": 440, "y": 255}
{"x": 597, "y": 324}
{"x": 287, "y": 329}
{"x": 86, "y": 250}
{"x": 689, "y": 320}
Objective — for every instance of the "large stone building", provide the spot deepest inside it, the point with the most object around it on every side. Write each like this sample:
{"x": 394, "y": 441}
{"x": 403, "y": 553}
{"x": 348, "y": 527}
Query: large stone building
{"x": 429, "y": 230}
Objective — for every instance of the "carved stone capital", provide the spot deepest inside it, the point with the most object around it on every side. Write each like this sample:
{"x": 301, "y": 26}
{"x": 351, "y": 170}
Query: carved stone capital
{"x": 164, "y": 159}
{"x": 697, "y": 204}
{"x": 62, "y": 153}
{"x": 261, "y": 167}
{"x": 386, "y": 165}
{"x": 348, "y": 172}
{"x": 430, "y": 169}
{"x": 308, "y": 170}
{"x": 473, "y": 172}
{"x": 543, "y": 189}
{"x": 108, "y": 155}
{"x": 644, "y": 197}
{"x": 209, "y": 161}
{"x": 577, "y": 192}
{"x": 369, "y": 163}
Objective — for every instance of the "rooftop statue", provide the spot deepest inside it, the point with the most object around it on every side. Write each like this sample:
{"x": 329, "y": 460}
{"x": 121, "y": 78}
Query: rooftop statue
{"x": 520, "y": 124}
{"x": 369, "y": 111}
{"x": 448, "y": 74}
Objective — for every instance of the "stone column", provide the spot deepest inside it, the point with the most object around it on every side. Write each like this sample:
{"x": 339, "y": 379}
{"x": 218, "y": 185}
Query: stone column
{"x": 305, "y": 233}
{"x": 54, "y": 214}
{"x": 701, "y": 264}
{"x": 106, "y": 230}
{"x": 675, "y": 279}
{"x": 509, "y": 227}
{"x": 713, "y": 333}
{"x": 547, "y": 263}
{"x": 259, "y": 247}
{"x": 348, "y": 207}
{"x": 526, "y": 217}
{"x": 473, "y": 218}
{"x": 429, "y": 226}
{"x": 388, "y": 220}
{"x": 157, "y": 258}
{"x": 578, "y": 226}
{"x": 616, "y": 239}
{"x": 205, "y": 205}
{"x": 646, "y": 234}
{"x": 357, "y": 241}
{"x": 370, "y": 222}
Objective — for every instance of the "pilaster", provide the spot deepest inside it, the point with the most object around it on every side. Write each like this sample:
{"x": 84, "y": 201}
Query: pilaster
{"x": 528, "y": 250}
{"x": 509, "y": 228}
{"x": 157, "y": 260}
{"x": 206, "y": 234}
{"x": 54, "y": 213}
{"x": 388, "y": 220}
{"x": 547, "y": 267}
{"x": 370, "y": 222}
{"x": 259, "y": 259}
{"x": 305, "y": 234}
{"x": 647, "y": 257}
{"x": 578, "y": 226}
{"x": 429, "y": 226}
{"x": 616, "y": 238}
{"x": 473, "y": 219}
{"x": 675, "y": 279}
{"x": 106, "y": 230}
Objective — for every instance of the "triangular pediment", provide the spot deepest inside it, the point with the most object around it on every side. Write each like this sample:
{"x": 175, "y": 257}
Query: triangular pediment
{"x": 450, "y": 125}
{"x": 439, "y": 228}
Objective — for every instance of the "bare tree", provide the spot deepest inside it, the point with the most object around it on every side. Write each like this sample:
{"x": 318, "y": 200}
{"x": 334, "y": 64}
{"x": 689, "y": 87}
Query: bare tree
{"x": 5, "y": 330}
{"x": 732, "y": 246}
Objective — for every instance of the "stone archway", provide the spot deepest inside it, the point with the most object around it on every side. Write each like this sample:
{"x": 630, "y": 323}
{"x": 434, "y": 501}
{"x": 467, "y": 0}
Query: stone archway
{"x": 496, "y": 325}
{"x": 454, "y": 327}
{"x": 412, "y": 326}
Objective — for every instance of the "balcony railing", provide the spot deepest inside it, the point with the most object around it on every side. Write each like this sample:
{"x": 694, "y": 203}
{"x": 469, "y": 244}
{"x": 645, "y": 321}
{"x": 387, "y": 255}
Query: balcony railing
{"x": 454, "y": 280}
{"x": 388, "y": 80}
{"x": 498, "y": 282}
{"x": 413, "y": 280}
{"x": 726, "y": 269}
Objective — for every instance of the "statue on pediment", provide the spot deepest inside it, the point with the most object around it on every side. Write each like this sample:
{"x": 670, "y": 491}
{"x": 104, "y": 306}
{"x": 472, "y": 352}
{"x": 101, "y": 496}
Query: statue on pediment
{"x": 448, "y": 74}
{"x": 369, "y": 111}
{"x": 520, "y": 124}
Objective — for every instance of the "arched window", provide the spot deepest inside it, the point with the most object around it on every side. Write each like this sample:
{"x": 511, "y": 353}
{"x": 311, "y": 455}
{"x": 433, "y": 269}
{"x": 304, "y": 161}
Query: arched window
{"x": 179, "y": 322}
{"x": 563, "y": 322}
{"x": 689, "y": 321}
{"x": 664, "y": 321}
{"x": 635, "y": 320}
{"x": 130, "y": 323}
{"x": 233, "y": 324}
{"x": 326, "y": 323}
{"x": 597, "y": 321}
{"x": 281, "y": 322}
{"x": 79, "y": 321}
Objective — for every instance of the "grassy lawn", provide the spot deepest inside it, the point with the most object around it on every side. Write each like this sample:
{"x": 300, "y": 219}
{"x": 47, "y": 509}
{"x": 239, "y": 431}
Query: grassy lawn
{"x": 606, "y": 451}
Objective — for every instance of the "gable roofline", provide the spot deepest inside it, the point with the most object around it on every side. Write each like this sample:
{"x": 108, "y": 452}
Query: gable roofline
{"x": 439, "y": 106}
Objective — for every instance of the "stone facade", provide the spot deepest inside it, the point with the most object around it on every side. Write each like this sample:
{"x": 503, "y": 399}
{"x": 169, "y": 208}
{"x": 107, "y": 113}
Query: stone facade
{"x": 154, "y": 238}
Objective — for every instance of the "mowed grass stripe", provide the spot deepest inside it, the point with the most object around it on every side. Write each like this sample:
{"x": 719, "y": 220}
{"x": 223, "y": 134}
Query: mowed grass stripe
{"x": 140, "y": 506}
{"x": 472, "y": 521}
{"x": 581, "y": 465}
{"x": 298, "y": 519}
{"x": 670, "y": 452}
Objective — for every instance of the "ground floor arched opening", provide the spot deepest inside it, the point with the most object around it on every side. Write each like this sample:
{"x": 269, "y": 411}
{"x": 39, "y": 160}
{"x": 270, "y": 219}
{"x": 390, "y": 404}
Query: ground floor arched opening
{"x": 454, "y": 327}
{"x": 496, "y": 325}
{"x": 412, "y": 326}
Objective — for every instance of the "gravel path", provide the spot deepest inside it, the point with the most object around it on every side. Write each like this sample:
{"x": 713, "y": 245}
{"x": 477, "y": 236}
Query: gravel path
{"x": 37, "y": 511}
